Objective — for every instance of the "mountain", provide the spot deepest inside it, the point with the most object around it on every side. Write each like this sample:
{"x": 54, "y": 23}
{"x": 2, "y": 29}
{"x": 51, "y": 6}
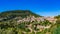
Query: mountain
{"x": 27, "y": 22}
{"x": 21, "y": 13}
{"x": 7, "y": 15}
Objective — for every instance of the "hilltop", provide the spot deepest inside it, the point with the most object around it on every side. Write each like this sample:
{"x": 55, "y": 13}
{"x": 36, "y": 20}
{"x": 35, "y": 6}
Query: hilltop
{"x": 21, "y": 13}
{"x": 7, "y": 15}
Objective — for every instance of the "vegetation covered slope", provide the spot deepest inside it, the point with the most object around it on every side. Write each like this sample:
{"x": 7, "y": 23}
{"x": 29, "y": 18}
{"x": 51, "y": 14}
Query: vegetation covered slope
{"x": 26, "y": 22}
{"x": 22, "y": 13}
{"x": 7, "y": 15}
{"x": 57, "y": 16}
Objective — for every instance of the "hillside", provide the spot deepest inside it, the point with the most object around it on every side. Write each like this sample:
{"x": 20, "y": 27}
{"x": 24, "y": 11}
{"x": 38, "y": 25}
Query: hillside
{"x": 27, "y": 22}
{"x": 7, "y": 15}
{"x": 58, "y": 16}
{"x": 21, "y": 13}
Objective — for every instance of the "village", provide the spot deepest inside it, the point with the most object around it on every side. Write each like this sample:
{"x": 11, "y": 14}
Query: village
{"x": 38, "y": 20}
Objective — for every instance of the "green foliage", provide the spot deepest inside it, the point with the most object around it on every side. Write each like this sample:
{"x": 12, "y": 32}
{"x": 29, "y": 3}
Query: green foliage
{"x": 38, "y": 33}
{"x": 22, "y": 25}
{"x": 22, "y": 13}
{"x": 9, "y": 25}
{"x": 58, "y": 21}
{"x": 57, "y": 16}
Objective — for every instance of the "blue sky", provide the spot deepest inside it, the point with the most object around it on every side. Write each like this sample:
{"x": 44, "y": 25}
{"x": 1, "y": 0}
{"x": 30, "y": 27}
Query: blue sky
{"x": 41, "y": 7}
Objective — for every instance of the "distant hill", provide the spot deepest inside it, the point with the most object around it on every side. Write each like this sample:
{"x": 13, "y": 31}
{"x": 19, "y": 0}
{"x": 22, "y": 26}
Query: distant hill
{"x": 57, "y": 16}
{"x": 21, "y": 13}
{"x": 17, "y": 13}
